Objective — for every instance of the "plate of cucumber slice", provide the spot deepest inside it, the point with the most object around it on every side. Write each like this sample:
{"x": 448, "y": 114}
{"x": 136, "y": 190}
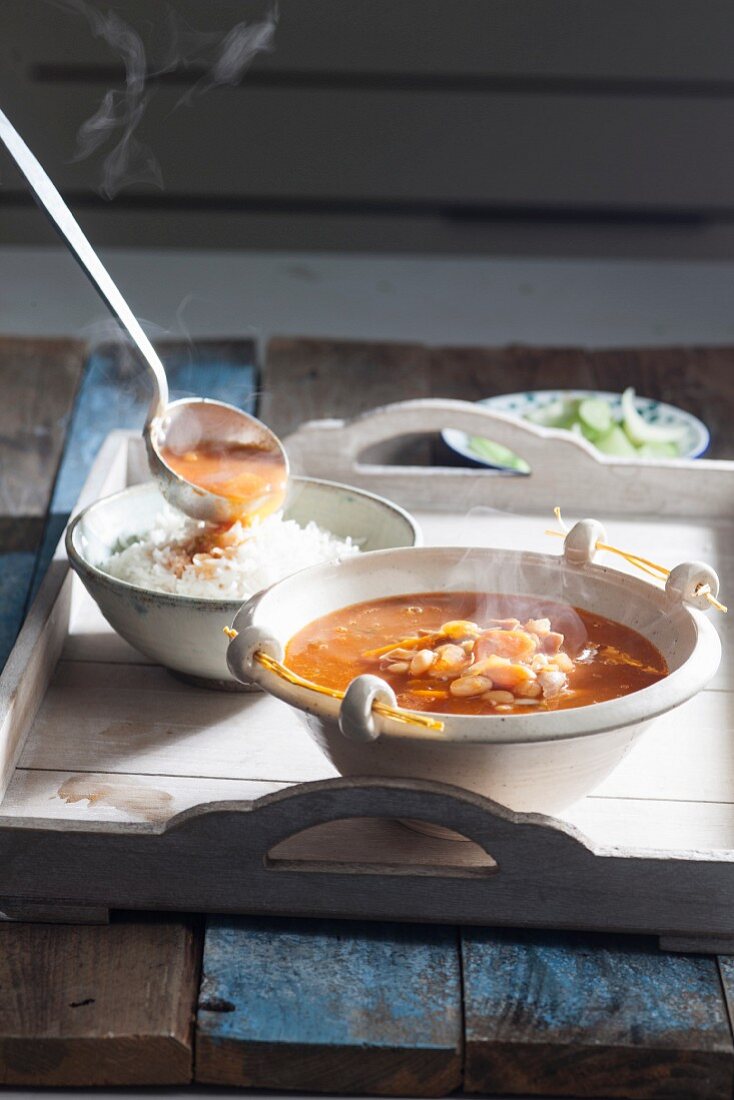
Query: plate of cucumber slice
{"x": 623, "y": 425}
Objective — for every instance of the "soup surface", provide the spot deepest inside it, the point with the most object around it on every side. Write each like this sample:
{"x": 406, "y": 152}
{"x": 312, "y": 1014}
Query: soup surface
{"x": 239, "y": 471}
{"x": 477, "y": 653}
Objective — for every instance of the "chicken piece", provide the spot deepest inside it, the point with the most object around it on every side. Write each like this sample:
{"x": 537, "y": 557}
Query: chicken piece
{"x": 552, "y": 683}
{"x": 518, "y": 645}
{"x": 450, "y": 661}
{"x": 538, "y": 626}
{"x": 503, "y": 672}
{"x": 563, "y": 662}
{"x": 552, "y": 642}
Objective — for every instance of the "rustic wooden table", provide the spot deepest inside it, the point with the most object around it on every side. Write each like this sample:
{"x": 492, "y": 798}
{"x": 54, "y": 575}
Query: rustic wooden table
{"x": 329, "y": 1006}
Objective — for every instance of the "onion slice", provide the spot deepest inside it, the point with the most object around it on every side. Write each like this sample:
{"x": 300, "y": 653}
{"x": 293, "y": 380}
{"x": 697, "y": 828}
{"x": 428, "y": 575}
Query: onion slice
{"x": 638, "y": 429}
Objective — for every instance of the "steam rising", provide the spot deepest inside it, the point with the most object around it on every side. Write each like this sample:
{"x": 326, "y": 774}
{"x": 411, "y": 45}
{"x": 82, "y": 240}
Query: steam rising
{"x": 119, "y": 114}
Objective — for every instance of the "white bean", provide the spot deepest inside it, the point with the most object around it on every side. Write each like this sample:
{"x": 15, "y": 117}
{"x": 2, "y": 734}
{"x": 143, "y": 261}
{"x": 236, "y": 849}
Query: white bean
{"x": 422, "y": 661}
{"x": 529, "y": 690}
{"x": 500, "y": 697}
{"x": 467, "y": 686}
{"x": 398, "y": 666}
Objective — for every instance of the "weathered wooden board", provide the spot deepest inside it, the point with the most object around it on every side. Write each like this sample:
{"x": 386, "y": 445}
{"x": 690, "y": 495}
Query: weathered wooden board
{"x": 139, "y": 718}
{"x": 16, "y": 573}
{"x": 329, "y": 1007}
{"x": 104, "y": 1005}
{"x": 563, "y": 1015}
{"x": 307, "y": 379}
{"x": 39, "y": 379}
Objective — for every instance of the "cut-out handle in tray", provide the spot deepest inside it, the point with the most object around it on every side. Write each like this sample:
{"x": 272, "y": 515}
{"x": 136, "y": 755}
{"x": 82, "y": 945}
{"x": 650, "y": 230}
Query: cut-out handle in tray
{"x": 510, "y": 840}
{"x": 564, "y": 469}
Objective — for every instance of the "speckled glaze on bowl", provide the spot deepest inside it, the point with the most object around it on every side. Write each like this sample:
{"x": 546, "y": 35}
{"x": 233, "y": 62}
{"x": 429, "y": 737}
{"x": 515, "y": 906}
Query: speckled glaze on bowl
{"x": 185, "y": 633}
{"x": 539, "y": 761}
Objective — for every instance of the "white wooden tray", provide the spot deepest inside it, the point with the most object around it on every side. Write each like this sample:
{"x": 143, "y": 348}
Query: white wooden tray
{"x": 125, "y": 788}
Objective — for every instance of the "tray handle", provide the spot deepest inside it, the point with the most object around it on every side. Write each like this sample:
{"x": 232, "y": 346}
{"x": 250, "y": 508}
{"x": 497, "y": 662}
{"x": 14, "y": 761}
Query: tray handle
{"x": 316, "y": 445}
{"x": 515, "y": 842}
{"x": 564, "y": 469}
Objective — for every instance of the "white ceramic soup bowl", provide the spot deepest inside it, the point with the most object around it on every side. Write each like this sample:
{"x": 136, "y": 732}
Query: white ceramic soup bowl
{"x": 185, "y": 633}
{"x": 540, "y": 761}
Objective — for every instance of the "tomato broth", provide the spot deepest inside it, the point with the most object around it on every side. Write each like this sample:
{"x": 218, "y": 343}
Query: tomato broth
{"x": 241, "y": 472}
{"x": 481, "y": 653}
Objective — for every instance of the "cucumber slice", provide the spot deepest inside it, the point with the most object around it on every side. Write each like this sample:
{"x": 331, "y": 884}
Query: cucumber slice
{"x": 595, "y": 417}
{"x": 558, "y": 414}
{"x": 615, "y": 442}
{"x": 498, "y": 455}
{"x": 639, "y": 431}
{"x": 659, "y": 450}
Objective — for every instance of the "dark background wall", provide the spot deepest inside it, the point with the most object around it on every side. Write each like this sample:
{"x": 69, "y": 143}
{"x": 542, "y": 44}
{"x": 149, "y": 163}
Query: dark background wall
{"x": 437, "y": 125}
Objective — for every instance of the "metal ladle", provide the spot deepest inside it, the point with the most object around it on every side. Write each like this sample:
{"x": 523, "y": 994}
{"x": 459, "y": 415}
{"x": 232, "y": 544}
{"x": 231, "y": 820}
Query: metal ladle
{"x": 180, "y": 426}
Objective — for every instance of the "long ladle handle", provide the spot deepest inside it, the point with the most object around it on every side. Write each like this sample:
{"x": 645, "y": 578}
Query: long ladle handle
{"x": 65, "y": 223}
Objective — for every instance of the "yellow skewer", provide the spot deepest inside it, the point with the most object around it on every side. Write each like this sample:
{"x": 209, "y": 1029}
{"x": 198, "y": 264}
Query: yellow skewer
{"x": 652, "y": 568}
{"x": 409, "y": 717}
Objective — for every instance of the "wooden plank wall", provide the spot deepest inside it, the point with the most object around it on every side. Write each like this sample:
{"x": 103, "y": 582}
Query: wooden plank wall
{"x": 412, "y": 113}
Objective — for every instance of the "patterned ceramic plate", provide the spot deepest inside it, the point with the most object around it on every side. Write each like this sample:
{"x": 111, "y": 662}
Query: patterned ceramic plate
{"x": 693, "y": 443}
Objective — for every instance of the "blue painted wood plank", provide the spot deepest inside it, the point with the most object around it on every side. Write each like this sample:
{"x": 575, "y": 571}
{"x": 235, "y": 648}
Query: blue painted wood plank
{"x": 38, "y": 381}
{"x": 114, "y": 394}
{"x": 330, "y": 1006}
{"x": 16, "y": 571}
{"x": 558, "y": 1014}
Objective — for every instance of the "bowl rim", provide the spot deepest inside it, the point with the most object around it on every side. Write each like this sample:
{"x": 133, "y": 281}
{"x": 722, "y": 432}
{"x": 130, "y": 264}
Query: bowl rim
{"x": 86, "y": 569}
{"x": 636, "y": 708}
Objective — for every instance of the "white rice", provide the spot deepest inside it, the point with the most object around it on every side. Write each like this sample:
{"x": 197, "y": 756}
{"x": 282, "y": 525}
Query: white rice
{"x": 247, "y": 560}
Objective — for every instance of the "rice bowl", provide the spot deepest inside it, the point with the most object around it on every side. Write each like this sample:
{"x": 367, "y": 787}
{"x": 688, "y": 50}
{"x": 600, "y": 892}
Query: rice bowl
{"x": 183, "y": 630}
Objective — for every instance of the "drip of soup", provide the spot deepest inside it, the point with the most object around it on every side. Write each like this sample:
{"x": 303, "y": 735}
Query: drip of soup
{"x": 241, "y": 472}
{"x": 477, "y": 653}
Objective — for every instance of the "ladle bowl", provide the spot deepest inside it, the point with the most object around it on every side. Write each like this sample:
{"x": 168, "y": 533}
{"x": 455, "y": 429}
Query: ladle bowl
{"x": 184, "y": 424}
